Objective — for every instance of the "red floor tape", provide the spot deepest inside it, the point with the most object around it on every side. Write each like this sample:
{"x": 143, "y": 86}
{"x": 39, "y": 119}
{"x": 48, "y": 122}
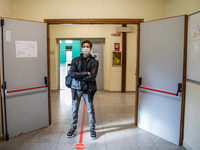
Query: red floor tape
{"x": 81, "y": 146}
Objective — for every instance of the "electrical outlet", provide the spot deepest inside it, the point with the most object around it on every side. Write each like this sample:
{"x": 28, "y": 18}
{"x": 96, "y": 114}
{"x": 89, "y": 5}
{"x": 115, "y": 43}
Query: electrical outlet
{"x": 52, "y": 53}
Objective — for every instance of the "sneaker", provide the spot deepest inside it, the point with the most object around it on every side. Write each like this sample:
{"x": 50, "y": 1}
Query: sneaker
{"x": 71, "y": 133}
{"x": 93, "y": 134}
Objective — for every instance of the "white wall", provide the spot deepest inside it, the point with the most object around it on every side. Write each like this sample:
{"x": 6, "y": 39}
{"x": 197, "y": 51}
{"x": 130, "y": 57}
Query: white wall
{"x": 192, "y": 100}
{"x": 192, "y": 117}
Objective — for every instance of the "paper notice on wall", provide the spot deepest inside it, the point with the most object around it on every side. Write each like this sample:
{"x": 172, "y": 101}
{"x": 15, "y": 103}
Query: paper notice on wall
{"x": 196, "y": 32}
{"x": 26, "y": 49}
{"x": 32, "y": 48}
{"x": 8, "y": 36}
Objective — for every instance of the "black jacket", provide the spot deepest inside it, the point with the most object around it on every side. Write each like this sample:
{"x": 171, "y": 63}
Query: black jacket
{"x": 83, "y": 80}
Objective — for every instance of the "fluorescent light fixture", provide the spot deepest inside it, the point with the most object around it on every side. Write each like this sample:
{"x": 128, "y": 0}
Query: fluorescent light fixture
{"x": 68, "y": 41}
{"x": 124, "y": 29}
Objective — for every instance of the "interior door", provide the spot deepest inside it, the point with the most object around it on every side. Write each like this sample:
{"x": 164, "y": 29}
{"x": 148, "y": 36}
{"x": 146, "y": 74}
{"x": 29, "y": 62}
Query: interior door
{"x": 25, "y": 71}
{"x": 97, "y": 52}
{"x": 161, "y": 71}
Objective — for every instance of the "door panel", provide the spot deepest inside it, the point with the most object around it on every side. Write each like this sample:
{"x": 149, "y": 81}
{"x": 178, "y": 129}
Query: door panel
{"x": 161, "y": 68}
{"x": 97, "y": 49}
{"x": 25, "y": 67}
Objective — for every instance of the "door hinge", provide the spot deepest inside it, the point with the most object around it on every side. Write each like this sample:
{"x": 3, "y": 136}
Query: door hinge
{"x": 179, "y": 88}
{"x": 2, "y": 22}
{"x": 45, "y": 81}
{"x": 3, "y": 85}
{"x": 140, "y": 81}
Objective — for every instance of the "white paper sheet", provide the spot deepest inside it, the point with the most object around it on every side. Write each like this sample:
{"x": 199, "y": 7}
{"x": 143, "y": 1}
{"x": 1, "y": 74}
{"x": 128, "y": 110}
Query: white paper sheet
{"x": 196, "y": 32}
{"x": 8, "y": 36}
{"x": 32, "y": 48}
{"x": 26, "y": 49}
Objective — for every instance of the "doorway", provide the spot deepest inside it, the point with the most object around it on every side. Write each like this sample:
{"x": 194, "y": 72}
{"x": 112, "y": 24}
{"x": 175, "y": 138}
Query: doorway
{"x": 69, "y": 49}
{"x": 97, "y": 21}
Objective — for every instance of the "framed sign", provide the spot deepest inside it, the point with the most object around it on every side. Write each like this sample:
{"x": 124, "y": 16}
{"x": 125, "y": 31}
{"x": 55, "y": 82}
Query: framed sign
{"x": 116, "y": 46}
{"x": 117, "y": 58}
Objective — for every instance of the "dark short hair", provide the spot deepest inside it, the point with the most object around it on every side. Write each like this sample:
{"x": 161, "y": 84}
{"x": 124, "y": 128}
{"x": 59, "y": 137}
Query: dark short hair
{"x": 86, "y": 41}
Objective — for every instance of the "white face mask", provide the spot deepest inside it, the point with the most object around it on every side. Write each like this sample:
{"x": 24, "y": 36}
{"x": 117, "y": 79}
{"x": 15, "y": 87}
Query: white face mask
{"x": 85, "y": 51}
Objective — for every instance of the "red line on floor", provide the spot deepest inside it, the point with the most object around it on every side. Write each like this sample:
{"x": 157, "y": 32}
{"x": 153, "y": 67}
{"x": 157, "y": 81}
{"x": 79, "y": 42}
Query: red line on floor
{"x": 82, "y": 125}
{"x": 81, "y": 146}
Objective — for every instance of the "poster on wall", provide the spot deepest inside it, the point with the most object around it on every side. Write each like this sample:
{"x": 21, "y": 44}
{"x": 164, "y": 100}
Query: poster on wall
{"x": 8, "y": 36}
{"x": 95, "y": 55}
{"x": 117, "y": 58}
{"x": 196, "y": 32}
{"x": 26, "y": 49}
{"x": 116, "y": 34}
{"x": 116, "y": 46}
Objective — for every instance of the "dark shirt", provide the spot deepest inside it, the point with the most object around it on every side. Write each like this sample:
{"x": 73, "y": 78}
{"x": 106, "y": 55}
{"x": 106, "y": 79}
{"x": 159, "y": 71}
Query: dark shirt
{"x": 84, "y": 67}
{"x": 83, "y": 64}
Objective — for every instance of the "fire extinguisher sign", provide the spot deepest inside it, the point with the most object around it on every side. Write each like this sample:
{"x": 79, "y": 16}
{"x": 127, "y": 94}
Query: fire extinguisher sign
{"x": 116, "y": 46}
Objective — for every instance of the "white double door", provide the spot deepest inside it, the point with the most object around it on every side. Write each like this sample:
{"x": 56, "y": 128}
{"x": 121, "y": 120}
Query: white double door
{"x": 25, "y": 67}
{"x": 161, "y": 68}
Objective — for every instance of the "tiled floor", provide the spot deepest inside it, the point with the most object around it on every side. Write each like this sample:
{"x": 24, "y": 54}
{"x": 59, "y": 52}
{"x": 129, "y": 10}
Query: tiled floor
{"x": 115, "y": 127}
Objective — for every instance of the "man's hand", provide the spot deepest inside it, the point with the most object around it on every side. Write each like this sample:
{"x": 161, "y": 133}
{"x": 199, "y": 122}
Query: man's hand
{"x": 89, "y": 73}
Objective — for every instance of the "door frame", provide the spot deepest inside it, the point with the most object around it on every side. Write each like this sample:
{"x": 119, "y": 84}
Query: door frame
{"x": 97, "y": 21}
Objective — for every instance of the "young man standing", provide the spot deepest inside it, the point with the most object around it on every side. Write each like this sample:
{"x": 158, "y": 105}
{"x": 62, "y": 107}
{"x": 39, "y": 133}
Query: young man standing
{"x": 83, "y": 71}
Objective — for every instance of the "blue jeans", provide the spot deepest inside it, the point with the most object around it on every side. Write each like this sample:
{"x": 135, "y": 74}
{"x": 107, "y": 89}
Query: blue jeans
{"x": 75, "y": 109}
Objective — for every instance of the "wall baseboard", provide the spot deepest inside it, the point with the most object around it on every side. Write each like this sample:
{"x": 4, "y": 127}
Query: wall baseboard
{"x": 187, "y": 146}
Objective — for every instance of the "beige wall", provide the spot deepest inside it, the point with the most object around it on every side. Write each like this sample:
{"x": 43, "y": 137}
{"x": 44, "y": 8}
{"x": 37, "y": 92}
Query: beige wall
{"x": 112, "y": 75}
{"x": 39, "y": 10}
{"x": 7, "y": 8}
{"x": 181, "y": 7}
